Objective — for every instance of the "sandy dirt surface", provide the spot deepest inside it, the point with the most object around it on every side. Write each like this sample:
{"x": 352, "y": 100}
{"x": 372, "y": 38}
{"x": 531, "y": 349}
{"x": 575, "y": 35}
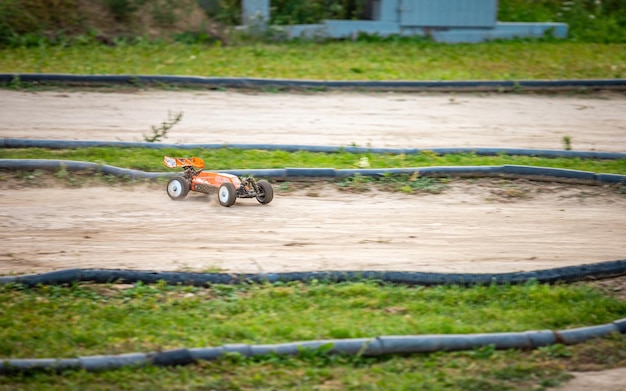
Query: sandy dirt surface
{"x": 483, "y": 227}
{"x": 479, "y": 226}
{"x": 395, "y": 120}
{"x": 609, "y": 380}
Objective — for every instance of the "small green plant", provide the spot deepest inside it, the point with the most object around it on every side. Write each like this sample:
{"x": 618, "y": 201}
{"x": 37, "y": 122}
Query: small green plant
{"x": 31, "y": 177}
{"x": 483, "y": 352}
{"x": 356, "y": 183}
{"x": 556, "y": 350}
{"x": 213, "y": 269}
{"x": 285, "y": 187}
{"x": 16, "y": 83}
{"x": 567, "y": 143}
{"x": 66, "y": 176}
{"x": 160, "y": 132}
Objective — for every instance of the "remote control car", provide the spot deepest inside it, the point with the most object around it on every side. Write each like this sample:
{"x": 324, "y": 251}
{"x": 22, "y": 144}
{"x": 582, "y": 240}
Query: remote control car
{"x": 227, "y": 186}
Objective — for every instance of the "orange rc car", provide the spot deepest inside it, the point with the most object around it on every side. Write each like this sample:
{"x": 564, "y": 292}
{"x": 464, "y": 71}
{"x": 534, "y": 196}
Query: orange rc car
{"x": 227, "y": 186}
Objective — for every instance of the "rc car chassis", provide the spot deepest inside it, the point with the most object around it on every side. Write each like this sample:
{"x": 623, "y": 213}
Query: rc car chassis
{"x": 227, "y": 186}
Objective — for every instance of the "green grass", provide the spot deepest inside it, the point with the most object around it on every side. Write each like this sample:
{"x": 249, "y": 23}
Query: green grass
{"x": 399, "y": 60}
{"x": 223, "y": 159}
{"x": 100, "y": 319}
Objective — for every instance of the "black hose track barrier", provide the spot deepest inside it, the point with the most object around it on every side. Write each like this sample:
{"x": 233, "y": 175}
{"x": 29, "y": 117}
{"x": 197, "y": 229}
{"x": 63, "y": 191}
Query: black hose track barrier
{"x": 234, "y": 82}
{"x": 369, "y": 347}
{"x": 537, "y": 173}
{"x": 566, "y": 274}
{"x": 76, "y": 166}
{"x": 376, "y": 346}
{"x": 549, "y": 153}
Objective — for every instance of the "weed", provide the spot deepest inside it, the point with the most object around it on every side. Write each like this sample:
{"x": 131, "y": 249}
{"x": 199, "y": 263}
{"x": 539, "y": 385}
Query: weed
{"x": 567, "y": 143}
{"x": 62, "y": 172}
{"x": 411, "y": 183}
{"x": 16, "y": 83}
{"x": 213, "y": 269}
{"x": 31, "y": 177}
{"x": 483, "y": 352}
{"x": 285, "y": 187}
{"x": 556, "y": 350}
{"x": 135, "y": 82}
{"x": 357, "y": 183}
{"x": 160, "y": 132}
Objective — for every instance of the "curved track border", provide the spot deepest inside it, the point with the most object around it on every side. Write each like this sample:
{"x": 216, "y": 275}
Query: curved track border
{"x": 508, "y": 171}
{"x": 549, "y": 153}
{"x": 236, "y": 82}
{"x": 567, "y": 274}
{"x": 376, "y": 346}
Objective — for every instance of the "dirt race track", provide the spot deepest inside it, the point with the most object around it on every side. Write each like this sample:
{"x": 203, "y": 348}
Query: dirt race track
{"x": 485, "y": 227}
{"x": 482, "y": 226}
{"x": 477, "y": 226}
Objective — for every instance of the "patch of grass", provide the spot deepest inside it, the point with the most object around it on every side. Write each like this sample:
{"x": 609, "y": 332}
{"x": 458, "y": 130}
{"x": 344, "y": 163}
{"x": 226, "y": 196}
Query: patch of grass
{"x": 393, "y": 60}
{"x": 85, "y": 319}
{"x": 226, "y": 158}
{"x": 394, "y": 183}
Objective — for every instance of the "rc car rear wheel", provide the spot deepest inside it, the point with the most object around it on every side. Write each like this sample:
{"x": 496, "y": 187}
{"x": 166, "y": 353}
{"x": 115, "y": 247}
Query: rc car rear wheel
{"x": 177, "y": 188}
{"x": 266, "y": 193}
{"x": 227, "y": 194}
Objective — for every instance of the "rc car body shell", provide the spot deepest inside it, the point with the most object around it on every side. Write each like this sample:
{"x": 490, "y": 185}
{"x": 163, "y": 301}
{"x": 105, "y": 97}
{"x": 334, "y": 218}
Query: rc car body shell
{"x": 228, "y": 187}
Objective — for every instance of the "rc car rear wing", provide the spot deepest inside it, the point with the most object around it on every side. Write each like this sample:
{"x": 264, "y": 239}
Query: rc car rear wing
{"x": 173, "y": 162}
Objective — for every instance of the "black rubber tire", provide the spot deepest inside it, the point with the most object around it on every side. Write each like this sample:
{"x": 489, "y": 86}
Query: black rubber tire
{"x": 177, "y": 188}
{"x": 267, "y": 190}
{"x": 227, "y": 194}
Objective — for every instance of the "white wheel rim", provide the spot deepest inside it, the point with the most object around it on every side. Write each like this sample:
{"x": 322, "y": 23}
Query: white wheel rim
{"x": 174, "y": 188}
{"x": 223, "y": 194}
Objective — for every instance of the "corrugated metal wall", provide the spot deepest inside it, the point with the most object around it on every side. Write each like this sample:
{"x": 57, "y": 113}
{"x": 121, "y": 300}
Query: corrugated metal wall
{"x": 448, "y": 13}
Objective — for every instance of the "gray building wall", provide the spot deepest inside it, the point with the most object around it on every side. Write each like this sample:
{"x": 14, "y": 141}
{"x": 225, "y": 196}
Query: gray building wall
{"x": 451, "y": 21}
{"x": 449, "y": 13}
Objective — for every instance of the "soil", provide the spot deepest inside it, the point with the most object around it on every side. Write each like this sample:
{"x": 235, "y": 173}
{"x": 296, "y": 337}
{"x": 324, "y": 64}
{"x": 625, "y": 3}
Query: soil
{"x": 607, "y": 380}
{"x": 395, "y": 120}
{"x": 473, "y": 226}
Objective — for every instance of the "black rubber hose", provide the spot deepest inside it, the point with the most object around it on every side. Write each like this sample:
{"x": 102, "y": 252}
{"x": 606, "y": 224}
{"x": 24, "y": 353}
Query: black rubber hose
{"x": 72, "y": 165}
{"x": 566, "y": 274}
{"x": 369, "y": 347}
{"x": 234, "y": 82}
{"x": 549, "y": 153}
{"x": 552, "y": 174}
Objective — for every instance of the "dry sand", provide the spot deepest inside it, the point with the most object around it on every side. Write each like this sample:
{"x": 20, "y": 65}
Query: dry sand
{"x": 396, "y": 120}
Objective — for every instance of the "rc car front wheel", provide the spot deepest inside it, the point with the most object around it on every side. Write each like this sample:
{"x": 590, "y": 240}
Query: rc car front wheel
{"x": 266, "y": 192}
{"x": 177, "y": 188}
{"x": 227, "y": 194}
